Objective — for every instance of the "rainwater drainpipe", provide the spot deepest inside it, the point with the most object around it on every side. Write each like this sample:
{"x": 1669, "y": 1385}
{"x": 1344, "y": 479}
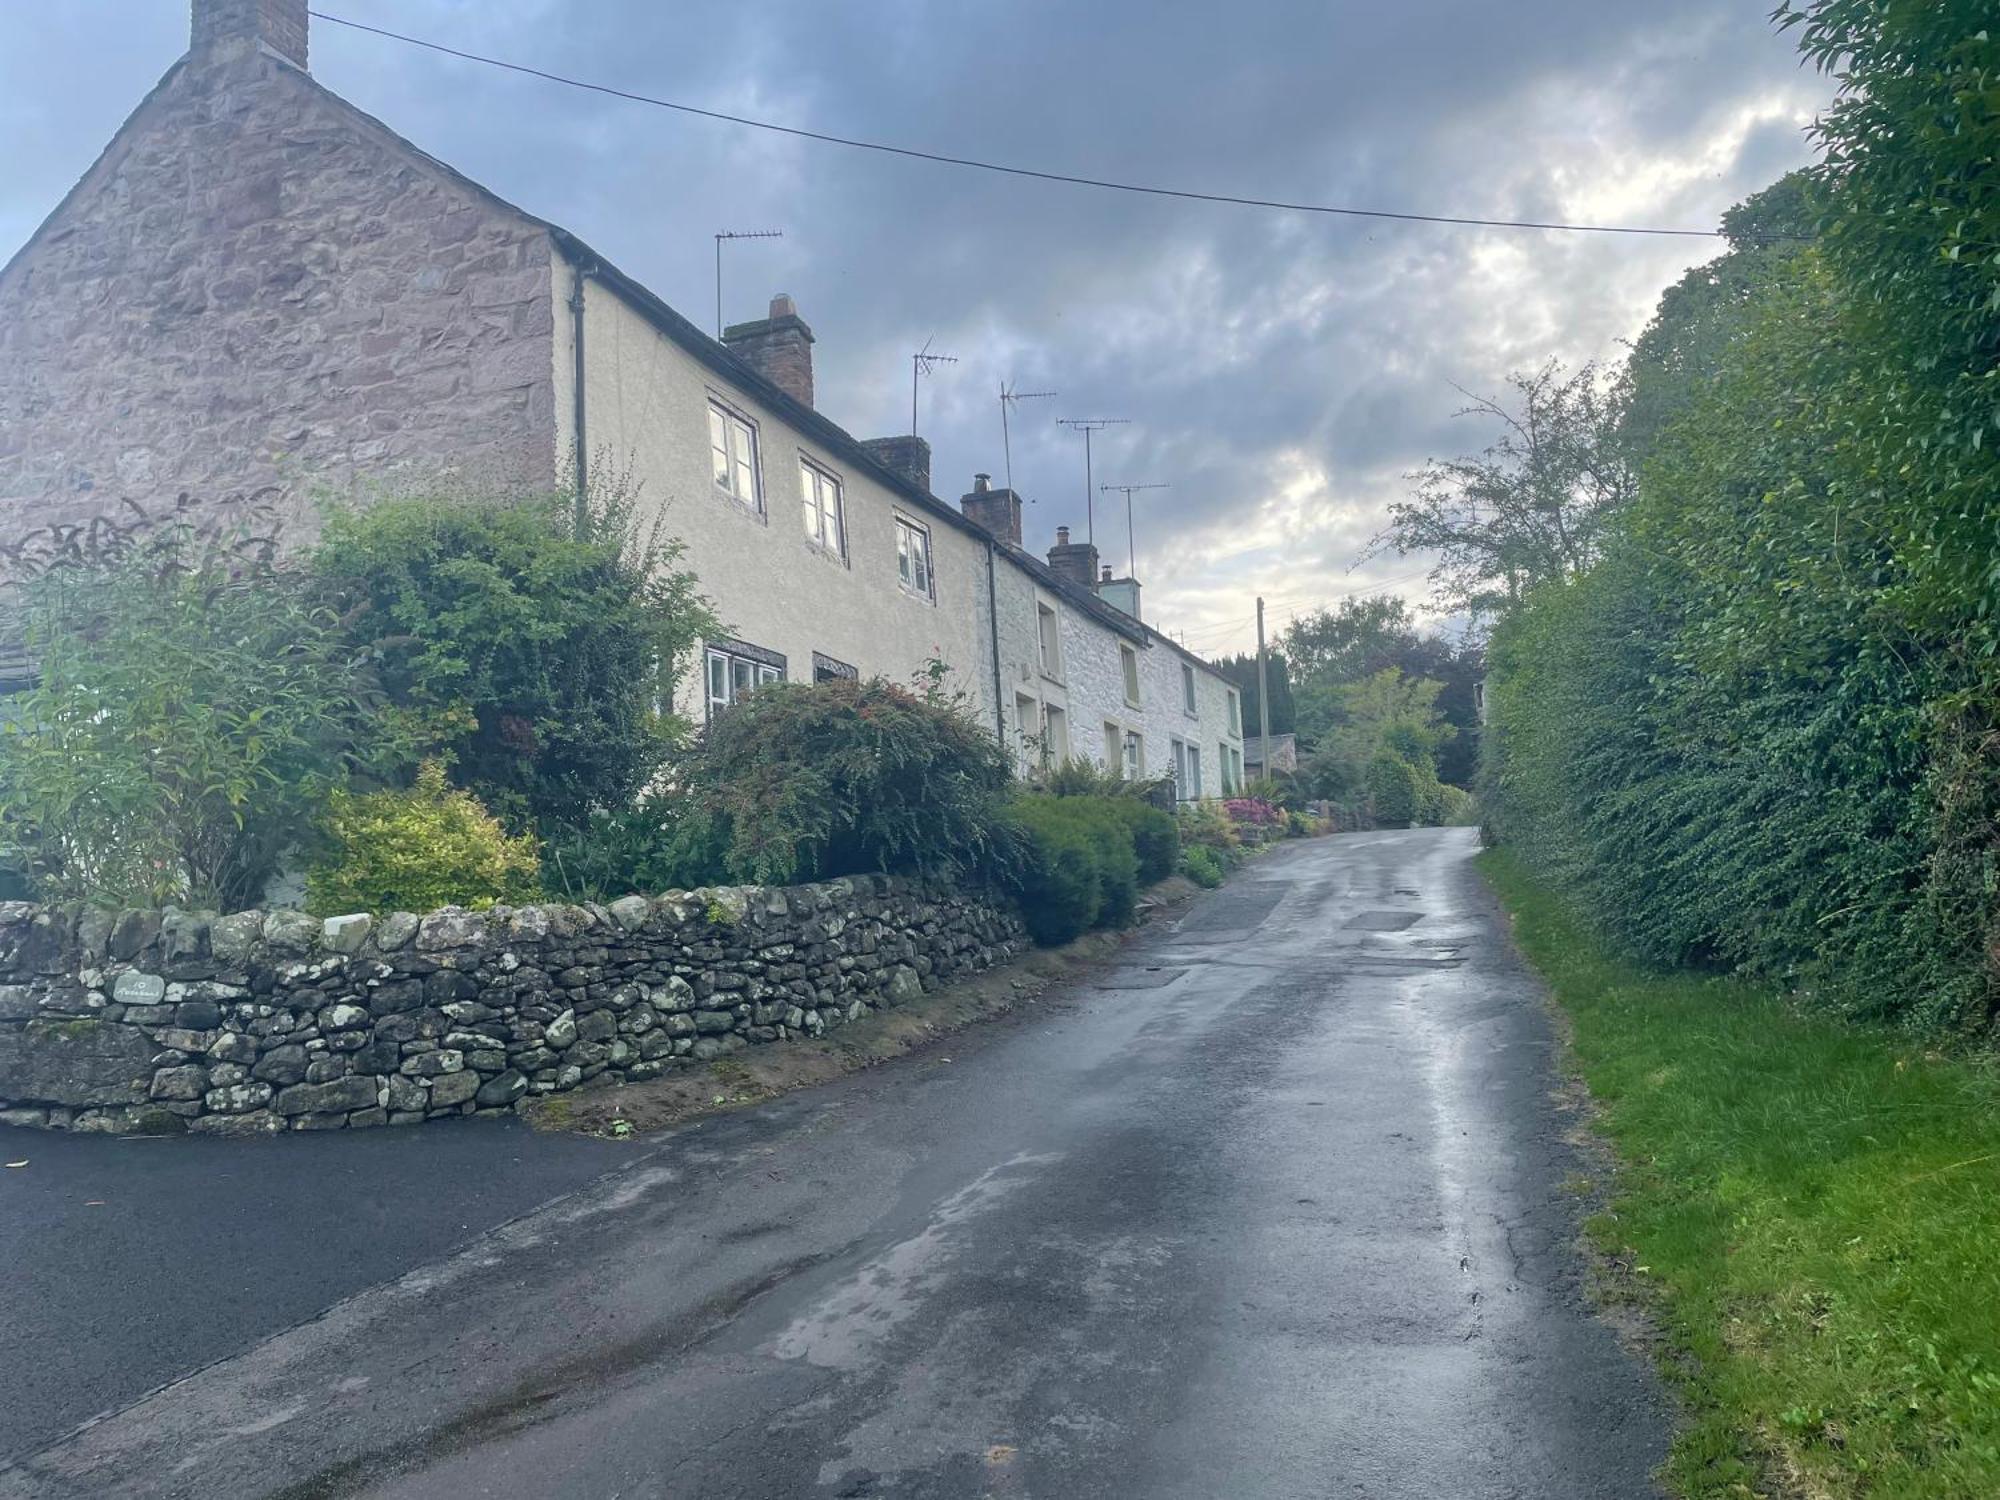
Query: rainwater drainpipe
{"x": 577, "y": 435}
{"x": 993, "y": 635}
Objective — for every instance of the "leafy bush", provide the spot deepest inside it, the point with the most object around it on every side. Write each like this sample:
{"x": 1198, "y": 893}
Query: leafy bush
{"x": 1395, "y": 791}
{"x": 1078, "y": 867}
{"x": 1203, "y": 866}
{"x": 802, "y": 782}
{"x": 415, "y": 850}
{"x": 1253, "y": 812}
{"x": 1206, "y": 824}
{"x": 1457, "y": 808}
{"x": 1060, "y": 880}
{"x": 1156, "y": 837}
{"x": 533, "y": 659}
{"x": 1080, "y": 776}
{"x": 654, "y": 845}
{"x": 192, "y": 713}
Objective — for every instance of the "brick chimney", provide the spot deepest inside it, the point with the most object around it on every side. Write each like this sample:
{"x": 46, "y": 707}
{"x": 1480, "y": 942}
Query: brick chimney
{"x": 778, "y": 347}
{"x": 909, "y": 457}
{"x": 1074, "y": 561}
{"x": 226, "y": 29}
{"x": 997, "y": 512}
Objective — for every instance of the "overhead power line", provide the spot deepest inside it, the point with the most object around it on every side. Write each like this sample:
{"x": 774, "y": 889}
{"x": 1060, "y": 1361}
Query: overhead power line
{"x": 945, "y": 159}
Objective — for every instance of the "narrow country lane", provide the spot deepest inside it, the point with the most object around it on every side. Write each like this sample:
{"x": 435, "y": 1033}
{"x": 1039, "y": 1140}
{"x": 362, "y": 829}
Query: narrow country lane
{"x": 1272, "y": 1208}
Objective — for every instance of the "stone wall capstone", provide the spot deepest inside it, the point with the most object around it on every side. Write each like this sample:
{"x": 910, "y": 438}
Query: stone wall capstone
{"x": 259, "y": 1022}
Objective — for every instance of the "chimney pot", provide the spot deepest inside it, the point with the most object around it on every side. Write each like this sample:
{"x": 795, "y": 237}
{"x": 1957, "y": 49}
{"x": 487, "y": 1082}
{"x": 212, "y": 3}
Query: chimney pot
{"x": 225, "y": 29}
{"x": 981, "y": 483}
{"x": 778, "y": 347}
{"x": 1062, "y": 536}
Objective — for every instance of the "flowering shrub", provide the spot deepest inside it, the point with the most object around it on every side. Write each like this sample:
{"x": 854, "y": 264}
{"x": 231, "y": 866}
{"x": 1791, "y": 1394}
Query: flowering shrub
{"x": 1254, "y": 811}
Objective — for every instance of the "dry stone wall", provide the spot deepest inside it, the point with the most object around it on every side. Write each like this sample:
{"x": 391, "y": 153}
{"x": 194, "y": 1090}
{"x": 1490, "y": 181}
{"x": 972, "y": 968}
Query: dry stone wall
{"x": 257, "y": 1022}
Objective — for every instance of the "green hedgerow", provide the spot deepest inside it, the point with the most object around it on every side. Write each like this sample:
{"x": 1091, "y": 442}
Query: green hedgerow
{"x": 415, "y": 850}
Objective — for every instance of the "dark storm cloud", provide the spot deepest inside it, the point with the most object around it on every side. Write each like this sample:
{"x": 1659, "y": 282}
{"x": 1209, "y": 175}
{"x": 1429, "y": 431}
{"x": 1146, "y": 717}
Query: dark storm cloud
{"x": 1282, "y": 371}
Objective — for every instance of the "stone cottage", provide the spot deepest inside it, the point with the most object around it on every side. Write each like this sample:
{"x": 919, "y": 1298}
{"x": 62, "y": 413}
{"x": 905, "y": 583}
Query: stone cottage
{"x": 259, "y": 295}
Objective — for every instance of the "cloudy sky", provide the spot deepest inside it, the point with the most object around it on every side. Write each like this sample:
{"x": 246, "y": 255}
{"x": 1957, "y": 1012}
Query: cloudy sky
{"x": 1282, "y": 372}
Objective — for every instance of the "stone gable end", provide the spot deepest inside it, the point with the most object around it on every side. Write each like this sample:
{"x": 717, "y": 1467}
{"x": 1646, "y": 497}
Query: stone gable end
{"x": 258, "y": 294}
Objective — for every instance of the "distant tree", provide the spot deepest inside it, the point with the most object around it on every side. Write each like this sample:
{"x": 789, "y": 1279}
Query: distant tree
{"x": 1242, "y": 673}
{"x": 1356, "y": 640}
{"x": 1383, "y": 714}
{"x": 1531, "y": 507}
{"x": 1340, "y": 647}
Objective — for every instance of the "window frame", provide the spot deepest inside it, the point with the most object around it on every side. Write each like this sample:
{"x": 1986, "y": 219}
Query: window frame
{"x": 1134, "y": 755}
{"x": 733, "y": 418}
{"x": 737, "y": 660}
{"x": 1048, "y": 638}
{"x": 814, "y": 476}
{"x": 905, "y": 530}
{"x": 1128, "y": 662}
{"x": 832, "y": 669}
{"x": 1235, "y": 713}
{"x": 1055, "y": 726}
{"x": 1190, "y": 694}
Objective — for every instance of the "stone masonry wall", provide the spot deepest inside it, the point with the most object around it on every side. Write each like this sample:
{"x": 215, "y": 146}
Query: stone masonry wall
{"x": 256, "y": 295}
{"x": 256, "y": 1022}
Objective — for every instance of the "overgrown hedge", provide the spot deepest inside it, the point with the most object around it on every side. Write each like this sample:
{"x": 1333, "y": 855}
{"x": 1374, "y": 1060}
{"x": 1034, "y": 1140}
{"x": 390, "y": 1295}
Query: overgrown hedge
{"x": 1763, "y": 732}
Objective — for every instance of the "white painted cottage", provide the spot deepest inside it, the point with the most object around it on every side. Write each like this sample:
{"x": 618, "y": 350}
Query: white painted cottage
{"x": 259, "y": 293}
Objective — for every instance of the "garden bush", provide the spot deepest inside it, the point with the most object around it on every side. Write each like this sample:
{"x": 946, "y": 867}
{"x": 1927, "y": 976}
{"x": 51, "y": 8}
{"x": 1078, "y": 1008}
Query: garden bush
{"x": 806, "y": 781}
{"x": 656, "y": 844}
{"x": 1060, "y": 877}
{"x": 1395, "y": 791}
{"x": 1156, "y": 837}
{"x": 192, "y": 713}
{"x": 1203, "y": 866}
{"x": 1256, "y": 815}
{"x": 415, "y": 850}
{"x": 533, "y": 657}
{"x": 1207, "y": 824}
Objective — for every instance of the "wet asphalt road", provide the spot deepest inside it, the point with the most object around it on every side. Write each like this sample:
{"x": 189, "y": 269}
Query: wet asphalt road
{"x": 1271, "y": 1208}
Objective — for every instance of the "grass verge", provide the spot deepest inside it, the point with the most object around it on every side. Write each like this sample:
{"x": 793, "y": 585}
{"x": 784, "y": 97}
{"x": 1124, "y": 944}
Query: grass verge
{"x": 1810, "y": 1213}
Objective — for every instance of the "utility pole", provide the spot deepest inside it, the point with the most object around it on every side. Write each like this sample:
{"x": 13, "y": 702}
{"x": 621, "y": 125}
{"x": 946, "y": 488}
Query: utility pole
{"x": 920, "y": 364}
{"x": 1007, "y": 399}
{"x": 1263, "y": 696}
{"x": 1131, "y": 548}
{"x": 1087, "y": 426}
{"x": 734, "y": 234}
